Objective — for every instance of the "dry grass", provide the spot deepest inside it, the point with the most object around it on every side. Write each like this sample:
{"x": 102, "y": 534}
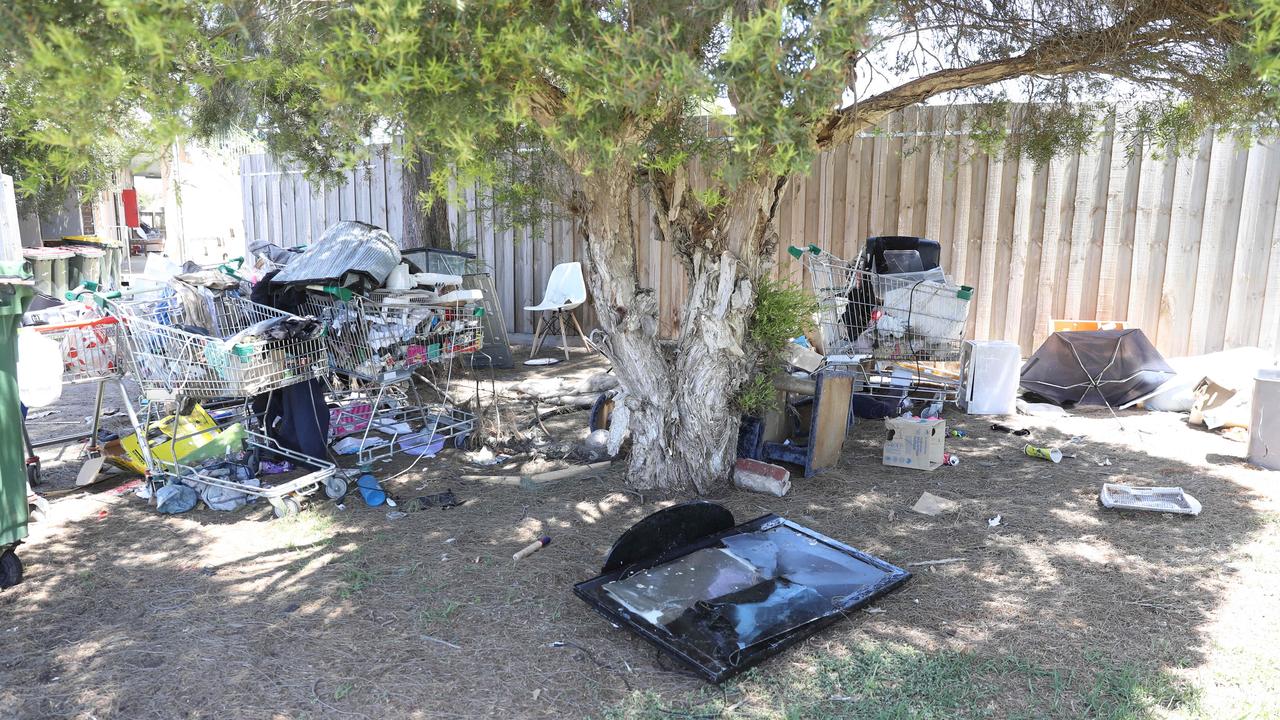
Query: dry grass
{"x": 1064, "y": 610}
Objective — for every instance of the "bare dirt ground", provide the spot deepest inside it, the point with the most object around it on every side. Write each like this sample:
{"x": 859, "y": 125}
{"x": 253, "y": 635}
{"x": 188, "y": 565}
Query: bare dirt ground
{"x": 1063, "y": 610}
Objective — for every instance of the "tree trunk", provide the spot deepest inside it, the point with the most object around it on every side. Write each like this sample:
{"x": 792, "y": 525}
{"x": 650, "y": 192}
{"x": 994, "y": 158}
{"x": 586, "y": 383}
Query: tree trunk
{"x": 424, "y": 226}
{"x": 681, "y": 396}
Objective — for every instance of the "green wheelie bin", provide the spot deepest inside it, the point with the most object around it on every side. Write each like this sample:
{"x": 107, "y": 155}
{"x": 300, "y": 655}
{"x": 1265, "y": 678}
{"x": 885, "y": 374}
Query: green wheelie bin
{"x": 14, "y": 297}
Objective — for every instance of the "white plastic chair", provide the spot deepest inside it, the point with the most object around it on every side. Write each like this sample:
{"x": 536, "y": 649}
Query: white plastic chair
{"x": 566, "y": 290}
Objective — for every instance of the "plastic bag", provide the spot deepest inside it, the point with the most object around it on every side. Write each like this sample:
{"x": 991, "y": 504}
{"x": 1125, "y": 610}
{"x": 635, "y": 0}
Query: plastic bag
{"x": 39, "y": 369}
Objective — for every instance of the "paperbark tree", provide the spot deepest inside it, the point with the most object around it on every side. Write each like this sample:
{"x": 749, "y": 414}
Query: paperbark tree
{"x": 595, "y": 104}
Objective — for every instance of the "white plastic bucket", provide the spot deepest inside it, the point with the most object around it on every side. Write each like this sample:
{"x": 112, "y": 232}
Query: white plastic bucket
{"x": 1264, "y": 426}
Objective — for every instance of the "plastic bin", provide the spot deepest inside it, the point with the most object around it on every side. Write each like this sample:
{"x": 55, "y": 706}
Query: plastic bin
{"x": 1264, "y": 426}
{"x": 112, "y": 256}
{"x": 990, "y": 370}
{"x": 85, "y": 265}
{"x": 49, "y": 266}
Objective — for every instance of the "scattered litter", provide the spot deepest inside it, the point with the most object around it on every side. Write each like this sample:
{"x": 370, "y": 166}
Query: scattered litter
{"x": 351, "y": 445}
{"x": 761, "y": 477}
{"x": 930, "y": 504}
{"x": 1104, "y": 462}
{"x": 1151, "y": 499}
{"x": 875, "y": 610}
{"x": 1098, "y": 367}
{"x": 396, "y": 515}
{"x": 89, "y": 471}
{"x": 943, "y": 561}
{"x": 40, "y": 414}
{"x": 341, "y": 506}
{"x": 532, "y": 548}
{"x": 371, "y": 490}
{"x": 175, "y": 498}
{"x": 995, "y": 521}
{"x": 542, "y": 361}
{"x": 1043, "y": 453}
{"x": 957, "y": 433}
{"x": 271, "y": 467}
{"x": 1040, "y": 409}
{"x": 1022, "y": 432}
{"x": 443, "y": 500}
{"x": 485, "y": 456}
{"x": 950, "y": 459}
{"x": 442, "y": 642}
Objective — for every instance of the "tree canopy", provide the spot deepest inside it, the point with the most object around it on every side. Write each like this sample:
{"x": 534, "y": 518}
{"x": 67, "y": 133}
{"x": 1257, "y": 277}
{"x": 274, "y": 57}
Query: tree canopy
{"x": 705, "y": 107}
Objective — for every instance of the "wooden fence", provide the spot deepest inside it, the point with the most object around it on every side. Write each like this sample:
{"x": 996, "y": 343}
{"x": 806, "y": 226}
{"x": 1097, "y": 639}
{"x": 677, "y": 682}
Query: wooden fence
{"x": 1186, "y": 247}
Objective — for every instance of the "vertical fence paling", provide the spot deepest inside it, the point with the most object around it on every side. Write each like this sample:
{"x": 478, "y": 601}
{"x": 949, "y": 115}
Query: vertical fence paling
{"x": 1185, "y": 247}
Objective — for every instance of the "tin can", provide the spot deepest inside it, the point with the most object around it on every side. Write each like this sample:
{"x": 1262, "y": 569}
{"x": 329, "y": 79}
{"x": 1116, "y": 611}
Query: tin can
{"x": 1043, "y": 452}
{"x": 949, "y": 459}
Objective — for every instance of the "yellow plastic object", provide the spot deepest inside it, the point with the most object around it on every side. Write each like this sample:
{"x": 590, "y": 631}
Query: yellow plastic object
{"x": 197, "y": 439}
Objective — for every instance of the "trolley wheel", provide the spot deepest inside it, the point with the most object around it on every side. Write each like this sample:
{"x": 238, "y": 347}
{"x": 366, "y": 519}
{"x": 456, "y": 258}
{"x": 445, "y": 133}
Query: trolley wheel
{"x": 460, "y": 441}
{"x": 335, "y": 487}
{"x": 33, "y": 471}
{"x": 10, "y": 569}
{"x": 285, "y": 506}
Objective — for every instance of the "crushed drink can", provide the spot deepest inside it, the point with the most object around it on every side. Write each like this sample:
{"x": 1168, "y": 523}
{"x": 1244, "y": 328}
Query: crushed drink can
{"x": 1043, "y": 452}
{"x": 950, "y": 459}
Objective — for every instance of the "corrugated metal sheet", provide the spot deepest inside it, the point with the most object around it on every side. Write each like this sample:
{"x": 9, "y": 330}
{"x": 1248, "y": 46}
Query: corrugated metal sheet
{"x": 344, "y": 248}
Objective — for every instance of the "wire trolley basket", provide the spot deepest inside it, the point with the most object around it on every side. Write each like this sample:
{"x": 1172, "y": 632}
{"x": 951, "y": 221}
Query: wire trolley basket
{"x": 230, "y": 347}
{"x": 383, "y": 338}
{"x": 897, "y": 328}
{"x": 87, "y": 338}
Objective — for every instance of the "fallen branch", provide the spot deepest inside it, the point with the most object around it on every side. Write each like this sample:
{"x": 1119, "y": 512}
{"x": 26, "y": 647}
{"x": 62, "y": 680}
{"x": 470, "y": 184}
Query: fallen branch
{"x": 943, "y": 561}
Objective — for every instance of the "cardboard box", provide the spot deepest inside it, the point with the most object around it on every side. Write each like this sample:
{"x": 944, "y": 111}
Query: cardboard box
{"x": 914, "y": 443}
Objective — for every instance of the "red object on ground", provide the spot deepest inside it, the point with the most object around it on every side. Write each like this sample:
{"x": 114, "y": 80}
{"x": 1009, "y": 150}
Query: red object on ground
{"x": 129, "y": 199}
{"x": 761, "y": 477}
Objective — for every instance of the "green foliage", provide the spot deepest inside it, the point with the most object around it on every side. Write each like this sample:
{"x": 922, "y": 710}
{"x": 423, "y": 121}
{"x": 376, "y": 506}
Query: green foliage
{"x": 757, "y": 396}
{"x": 782, "y": 312}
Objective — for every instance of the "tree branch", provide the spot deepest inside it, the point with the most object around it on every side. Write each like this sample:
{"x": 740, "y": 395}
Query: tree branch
{"x": 1055, "y": 56}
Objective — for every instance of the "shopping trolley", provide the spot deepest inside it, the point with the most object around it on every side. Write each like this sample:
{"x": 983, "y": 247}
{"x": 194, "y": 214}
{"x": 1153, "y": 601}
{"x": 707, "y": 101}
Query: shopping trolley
{"x": 900, "y": 331}
{"x": 221, "y": 347}
{"x": 376, "y": 345}
{"x": 90, "y": 354}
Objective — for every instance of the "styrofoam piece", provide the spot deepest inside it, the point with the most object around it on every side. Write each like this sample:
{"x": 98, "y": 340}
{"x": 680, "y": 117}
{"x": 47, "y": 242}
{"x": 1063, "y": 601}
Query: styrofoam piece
{"x": 1264, "y": 423}
{"x": 1150, "y": 499}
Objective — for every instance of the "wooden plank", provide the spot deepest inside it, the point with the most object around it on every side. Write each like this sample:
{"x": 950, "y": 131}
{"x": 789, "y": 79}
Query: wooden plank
{"x": 1124, "y": 251}
{"x": 275, "y": 231}
{"x": 854, "y": 207}
{"x": 395, "y": 194}
{"x": 363, "y": 185}
{"x": 378, "y": 189}
{"x": 908, "y": 147}
{"x": 1151, "y": 240}
{"x": 939, "y": 190}
{"x": 881, "y": 178}
{"x": 504, "y": 277}
{"x": 977, "y": 221}
{"x": 1082, "y": 230}
{"x": 347, "y": 198}
{"x": 1218, "y": 246}
{"x": 830, "y": 421}
{"x": 333, "y": 203}
{"x": 246, "y": 198}
{"x": 995, "y": 201}
{"x": 1032, "y": 280}
{"x": 958, "y": 264}
{"x": 1059, "y": 207}
{"x": 837, "y": 199}
{"x": 1189, "y": 193}
{"x": 1091, "y": 269}
{"x": 316, "y": 205}
{"x": 1253, "y": 247}
{"x": 1269, "y": 332}
{"x": 528, "y": 277}
{"x": 288, "y": 232}
{"x": 1008, "y": 325}
{"x": 892, "y": 170}
{"x": 924, "y": 156}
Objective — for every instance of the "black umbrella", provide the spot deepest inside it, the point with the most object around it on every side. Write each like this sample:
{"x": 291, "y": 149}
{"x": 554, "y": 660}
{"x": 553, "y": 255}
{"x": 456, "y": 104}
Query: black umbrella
{"x": 1097, "y": 367}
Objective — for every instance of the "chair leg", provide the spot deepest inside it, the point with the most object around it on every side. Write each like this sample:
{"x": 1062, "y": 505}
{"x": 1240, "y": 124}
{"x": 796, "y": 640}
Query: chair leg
{"x": 564, "y": 334}
{"x": 537, "y": 337}
{"x": 574, "y": 316}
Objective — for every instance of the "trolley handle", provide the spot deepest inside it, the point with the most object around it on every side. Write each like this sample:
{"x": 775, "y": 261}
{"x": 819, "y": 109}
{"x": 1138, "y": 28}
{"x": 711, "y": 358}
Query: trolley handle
{"x": 91, "y": 287}
{"x": 341, "y": 293}
{"x": 798, "y": 253}
{"x": 228, "y": 268}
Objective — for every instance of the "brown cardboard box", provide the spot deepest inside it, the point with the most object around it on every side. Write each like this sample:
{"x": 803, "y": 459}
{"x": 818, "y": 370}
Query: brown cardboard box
{"x": 914, "y": 443}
